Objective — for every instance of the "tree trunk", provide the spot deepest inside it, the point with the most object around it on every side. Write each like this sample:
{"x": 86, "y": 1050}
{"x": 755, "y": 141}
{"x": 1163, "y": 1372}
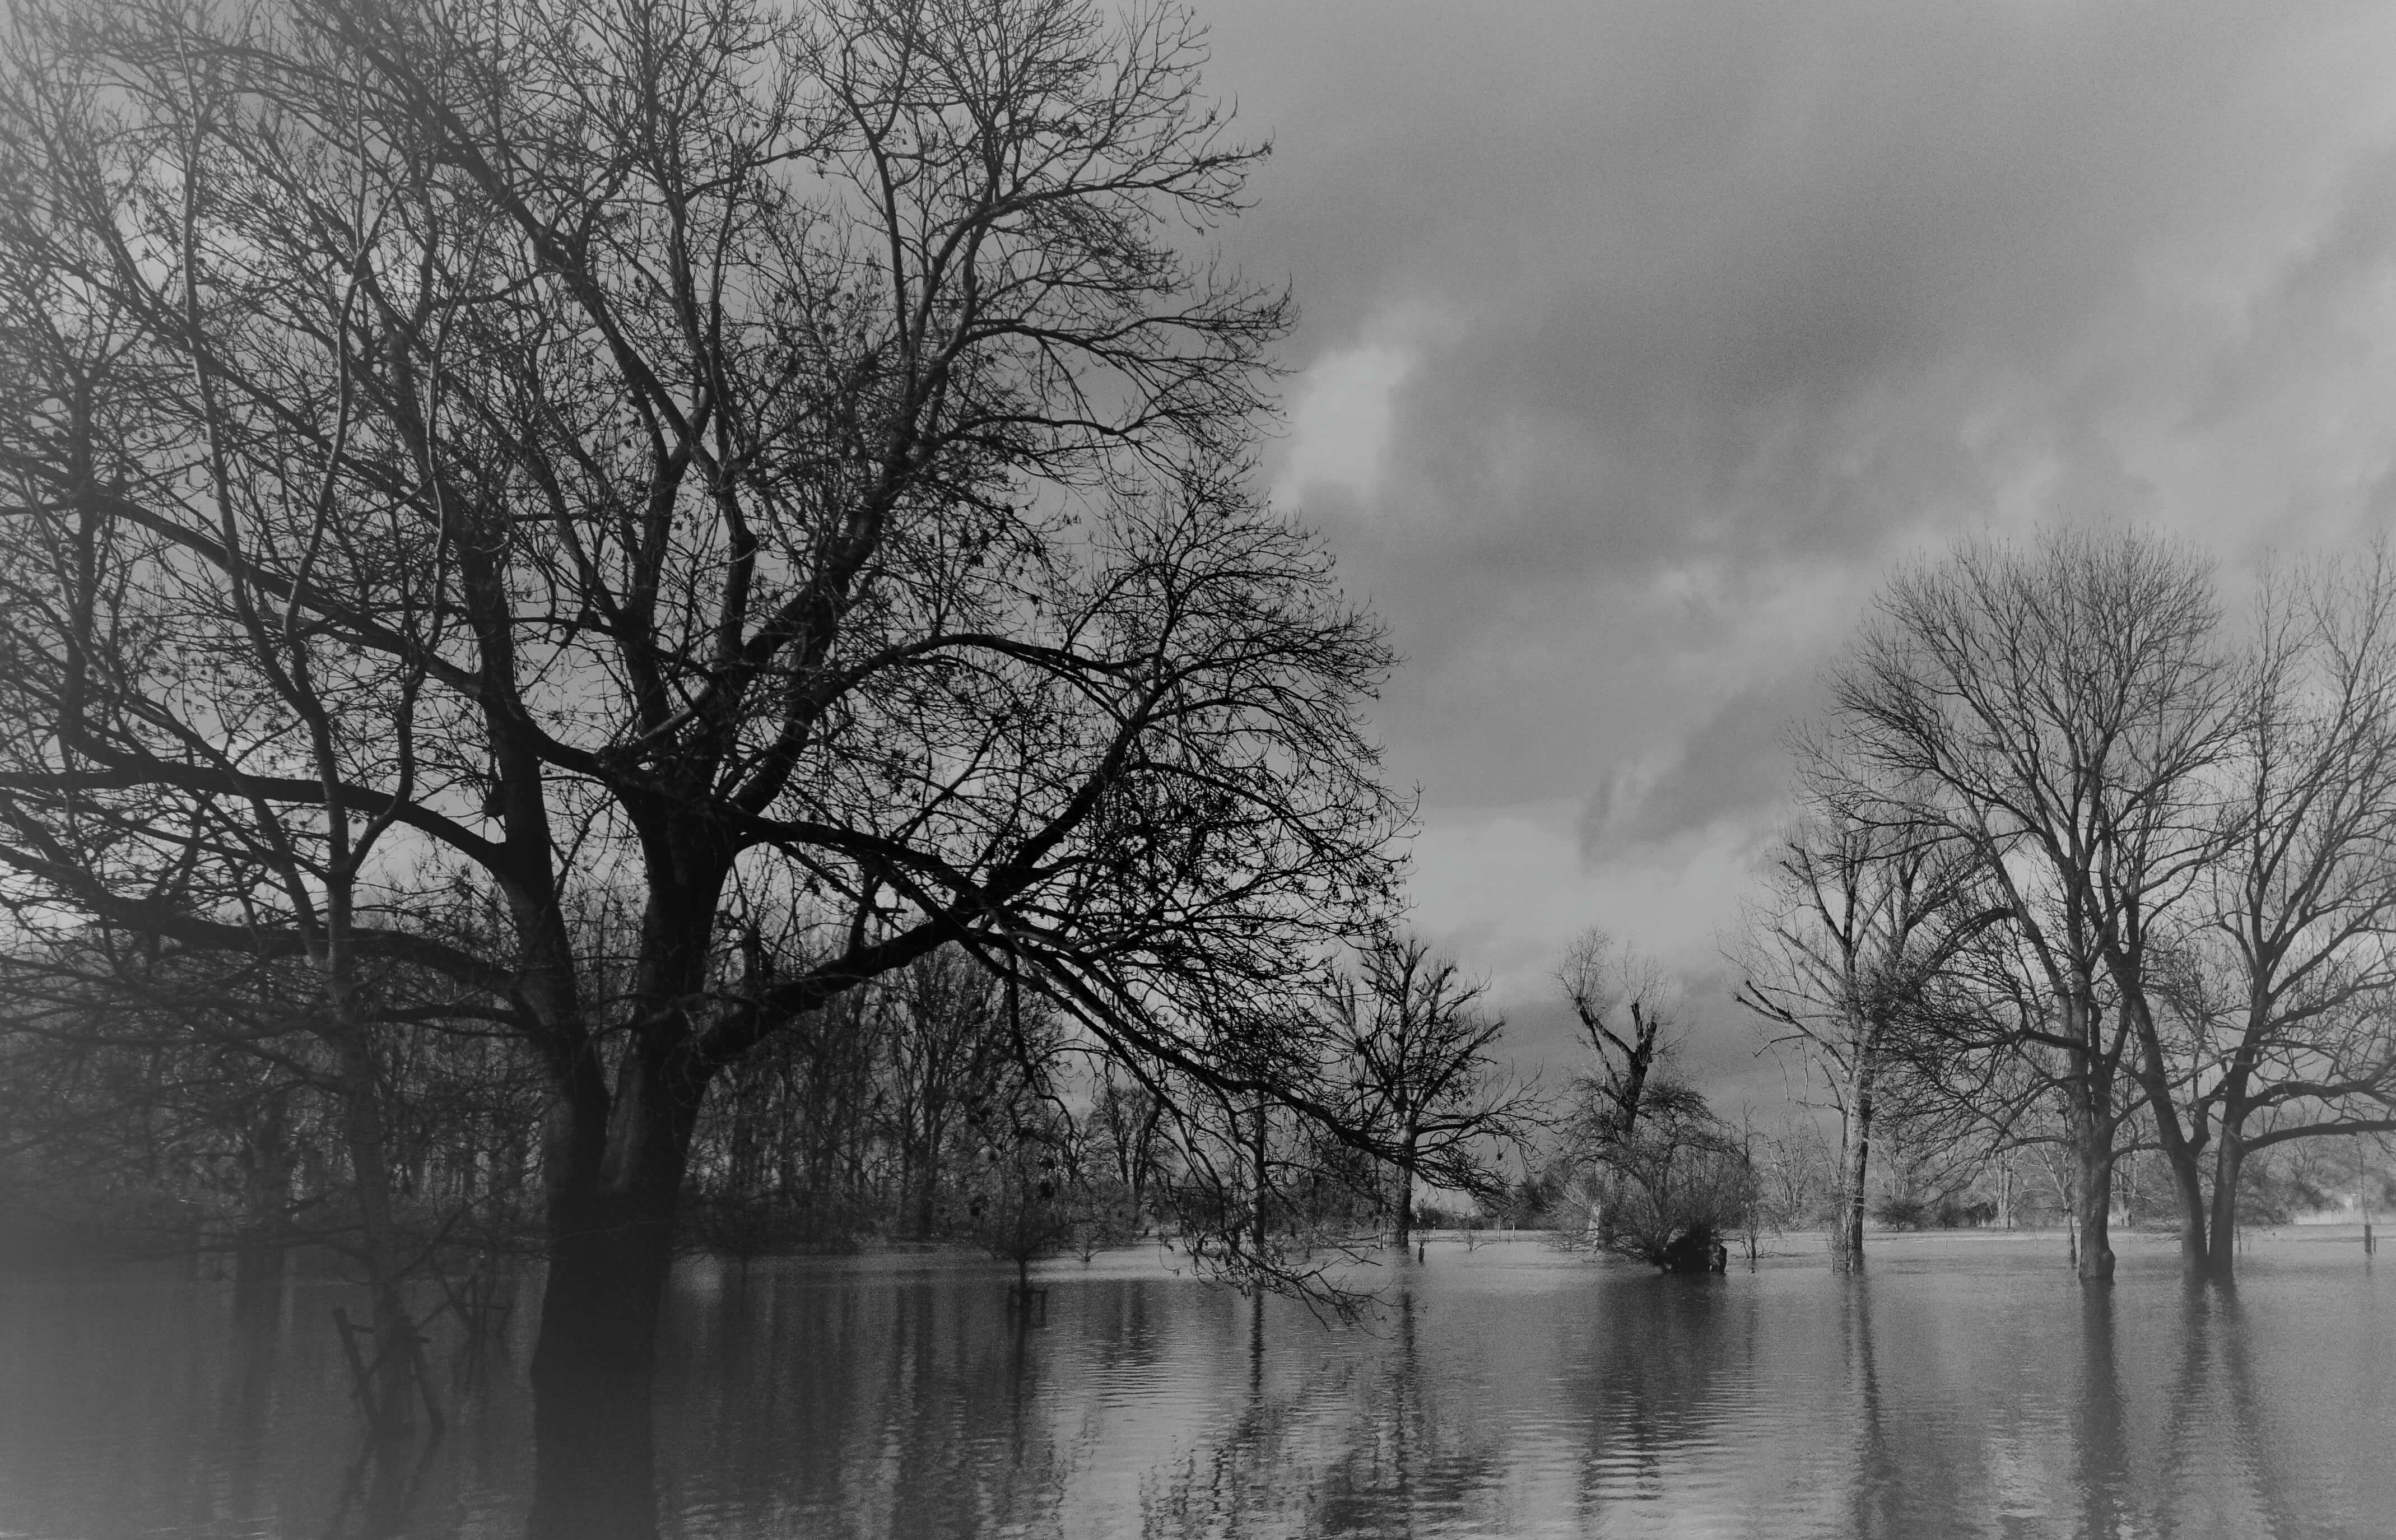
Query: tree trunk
{"x": 2093, "y": 1196}
{"x": 2188, "y": 1183}
{"x": 919, "y": 1204}
{"x": 612, "y": 1227}
{"x": 2091, "y": 1130}
{"x": 924, "y": 1173}
{"x": 2228, "y": 1161}
{"x": 1406, "y": 1191}
{"x": 617, "y": 1154}
{"x": 1855, "y": 1155}
{"x": 2185, "y": 1155}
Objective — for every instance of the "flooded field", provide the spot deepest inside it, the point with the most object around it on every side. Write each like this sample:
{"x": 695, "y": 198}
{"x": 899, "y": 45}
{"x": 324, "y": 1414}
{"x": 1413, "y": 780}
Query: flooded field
{"x": 1966, "y": 1387}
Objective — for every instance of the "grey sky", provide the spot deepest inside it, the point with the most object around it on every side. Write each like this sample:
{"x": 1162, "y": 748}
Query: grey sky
{"x": 1642, "y": 339}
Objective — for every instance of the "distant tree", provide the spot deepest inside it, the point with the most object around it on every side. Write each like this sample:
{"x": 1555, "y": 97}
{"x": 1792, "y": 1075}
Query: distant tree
{"x": 154, "y": 1130}
{"x": 945, "y": 1041}
{"x": 1797, "y": 1175}
{"x": 204, "y": 1083}
{"x": 1858, "y": 918}
{"x": 1623, "y": 1003}
{"x": 1024, "y": 1171}
{"x": 1128, "y": 1130}
{"x": 789, "y": 1145}
{"x": 1415, "y": 1053}
{"x": 1926, "y": 1181}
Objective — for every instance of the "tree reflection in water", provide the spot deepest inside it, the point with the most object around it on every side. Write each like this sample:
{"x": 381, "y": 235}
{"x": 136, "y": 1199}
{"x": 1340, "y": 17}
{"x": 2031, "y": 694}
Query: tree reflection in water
{"x": 1876, "y": 1494}
{"x": 1642, "y": 1393}
{"x": 1511, "y": 1392}
{"x": 2102, "y": 1472}
{"x": 593, "y": 1460}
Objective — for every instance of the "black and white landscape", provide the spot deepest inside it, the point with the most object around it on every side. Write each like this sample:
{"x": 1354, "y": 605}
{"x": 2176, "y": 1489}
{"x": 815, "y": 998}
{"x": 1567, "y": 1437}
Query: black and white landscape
{"x": 1047, "y": 767}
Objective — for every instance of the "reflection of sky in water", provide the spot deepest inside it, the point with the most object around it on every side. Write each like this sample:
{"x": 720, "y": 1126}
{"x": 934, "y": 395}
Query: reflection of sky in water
{"x": 1965, "y": 1388}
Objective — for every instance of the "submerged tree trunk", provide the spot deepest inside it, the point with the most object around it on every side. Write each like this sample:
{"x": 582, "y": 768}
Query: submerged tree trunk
{"x": 2228, "y": 1163}
{"x": 617, "y": 1154}
{"x": 612, "y": 1208}
{"x": 1855, "y": 1155}
{"x": 617, "y": 1174}
{"x": 2093, "y": 1188}
{"x": 2185, "y": 1154}
{"x": 2187, "y": 1186}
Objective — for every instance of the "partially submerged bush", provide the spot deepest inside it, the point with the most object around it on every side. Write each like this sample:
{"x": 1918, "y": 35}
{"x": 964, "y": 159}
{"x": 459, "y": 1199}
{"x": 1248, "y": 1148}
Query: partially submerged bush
{"x": 1669, "y": 1190}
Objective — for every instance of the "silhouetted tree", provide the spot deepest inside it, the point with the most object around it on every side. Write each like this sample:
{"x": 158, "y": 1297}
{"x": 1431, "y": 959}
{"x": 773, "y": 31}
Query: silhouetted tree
{"x": 781, "y": 469}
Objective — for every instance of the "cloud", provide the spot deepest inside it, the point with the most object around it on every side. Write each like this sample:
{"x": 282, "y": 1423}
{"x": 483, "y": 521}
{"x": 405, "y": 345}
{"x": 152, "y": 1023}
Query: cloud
{"x": 1339, "y": 428}
{"x": 1739, "y": 303}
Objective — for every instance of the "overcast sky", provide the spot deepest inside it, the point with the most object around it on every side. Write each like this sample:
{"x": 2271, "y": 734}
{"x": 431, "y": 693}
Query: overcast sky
{"x": 1640, "y": 340}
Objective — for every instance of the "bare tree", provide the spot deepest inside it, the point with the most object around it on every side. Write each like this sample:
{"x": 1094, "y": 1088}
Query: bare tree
{"x": 1415, "y": 1046}
{"x": 1858, "y": 918}
{"x": 2291, "y": 1000}
{"x": 779, "y": 469}
{"x": 2056, "y": 710}
{"x": 1623, "y": 1002}
{"x": 945, "y": 1043}
{"x": 1128, "y": 1122}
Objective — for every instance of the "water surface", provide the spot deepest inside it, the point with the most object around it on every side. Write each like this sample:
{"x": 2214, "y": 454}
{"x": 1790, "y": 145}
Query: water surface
{"x": 1966, "y": 1387}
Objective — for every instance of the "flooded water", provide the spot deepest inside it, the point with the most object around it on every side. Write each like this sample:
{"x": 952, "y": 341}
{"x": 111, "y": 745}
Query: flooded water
{"x": 1966, "y": 1386}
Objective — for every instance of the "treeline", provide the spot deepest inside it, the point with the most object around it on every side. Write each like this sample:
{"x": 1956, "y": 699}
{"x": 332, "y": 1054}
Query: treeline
{"x": 942, "y": 1101}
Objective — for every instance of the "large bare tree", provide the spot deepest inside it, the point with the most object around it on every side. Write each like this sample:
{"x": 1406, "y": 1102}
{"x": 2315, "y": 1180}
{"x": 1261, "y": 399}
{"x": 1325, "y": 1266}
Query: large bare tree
{"x": 772, "y": 472}
{"x": 2289, "y": 999}
{"x": 2058, "y": 710}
